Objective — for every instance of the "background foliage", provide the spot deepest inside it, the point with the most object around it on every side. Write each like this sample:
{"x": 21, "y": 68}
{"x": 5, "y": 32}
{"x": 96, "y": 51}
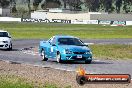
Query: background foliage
{"x": 110, "y": 6}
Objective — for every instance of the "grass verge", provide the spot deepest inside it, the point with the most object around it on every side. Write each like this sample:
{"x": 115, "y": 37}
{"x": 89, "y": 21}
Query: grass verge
{"x": 7, "y": 81}
{"x": 112, "y": 51}
{"x": 11, "y": 81}
{"x": 44, "y": 31}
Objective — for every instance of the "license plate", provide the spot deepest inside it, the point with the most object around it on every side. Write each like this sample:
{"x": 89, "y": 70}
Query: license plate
{"x": 79, "y": 56}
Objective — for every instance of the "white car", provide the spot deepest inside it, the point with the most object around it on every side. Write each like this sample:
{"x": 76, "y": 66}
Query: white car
{"x": 5, "y": 40}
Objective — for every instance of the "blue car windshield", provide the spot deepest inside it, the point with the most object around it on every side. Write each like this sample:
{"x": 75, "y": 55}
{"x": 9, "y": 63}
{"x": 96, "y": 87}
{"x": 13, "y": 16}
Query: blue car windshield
{"x": 3, "y": 34}
{"x": 70, "y": 41}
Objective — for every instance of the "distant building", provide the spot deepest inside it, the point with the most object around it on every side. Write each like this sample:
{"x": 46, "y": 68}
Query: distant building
{"x": 59, "y": 14}
{"x": 63, "y": 14}
{"x": 5, "y": 12}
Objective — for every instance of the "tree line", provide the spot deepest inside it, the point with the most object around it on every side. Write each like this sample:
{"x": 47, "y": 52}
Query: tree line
{"x": 90, "y": 5}
{"x": 102, "y": 5}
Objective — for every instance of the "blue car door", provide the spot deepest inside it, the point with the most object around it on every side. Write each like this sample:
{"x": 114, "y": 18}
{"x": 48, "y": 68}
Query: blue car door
{"x": 52, "y": 48}
{"x": 53, "y": 51}
{"x": 48, "y": 52}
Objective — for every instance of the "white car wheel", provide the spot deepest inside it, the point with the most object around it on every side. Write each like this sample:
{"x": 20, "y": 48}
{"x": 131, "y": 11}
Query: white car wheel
{"x": 10, "y": 47}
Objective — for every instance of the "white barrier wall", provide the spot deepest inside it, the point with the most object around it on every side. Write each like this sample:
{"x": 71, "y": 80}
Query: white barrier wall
{"x": 0, "y": 11}
{"x": 66, "y": 16}
{"x": 4, "y": 19}
{"x": 10, "y": 19}
{"x": 80, "y": 16}
{"x": 128, "y": 22}
{"x": 84, "y": 22}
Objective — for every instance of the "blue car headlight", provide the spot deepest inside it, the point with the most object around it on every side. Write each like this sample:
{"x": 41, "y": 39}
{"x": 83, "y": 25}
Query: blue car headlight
{"x": 67, "y": 51}
{"x": 88, "y": 52}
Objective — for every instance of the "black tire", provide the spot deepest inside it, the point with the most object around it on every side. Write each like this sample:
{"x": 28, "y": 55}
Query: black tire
{"x": 58, "y": 58}
{"x": 88, "y": 61}
{"x": 10, "y": 47}
{"x": 81, "y": 80}
{"x": 43, "y": 56}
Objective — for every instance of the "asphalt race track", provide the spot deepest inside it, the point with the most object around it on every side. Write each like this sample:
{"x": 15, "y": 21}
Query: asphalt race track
{"x": 26, "y": 52}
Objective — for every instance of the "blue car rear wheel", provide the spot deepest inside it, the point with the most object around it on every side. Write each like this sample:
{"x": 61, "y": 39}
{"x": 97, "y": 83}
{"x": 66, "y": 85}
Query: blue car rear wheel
{"x": 43, "y": 56}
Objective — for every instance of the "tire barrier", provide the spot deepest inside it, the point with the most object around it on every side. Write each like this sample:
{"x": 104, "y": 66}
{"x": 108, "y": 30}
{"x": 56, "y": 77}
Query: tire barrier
{"x": 84, "y": 22}
{"x": 36, "y": 20}
{"x": 118, "y": 23}
{"x": 60, "y": 21}
{"x": 103, "y": 22}
{"x": 47, "y": 20}
{"x": 112, "y": 22}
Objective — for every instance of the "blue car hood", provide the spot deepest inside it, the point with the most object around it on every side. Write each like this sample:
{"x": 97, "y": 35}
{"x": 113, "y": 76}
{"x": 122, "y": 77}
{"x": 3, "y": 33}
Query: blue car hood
{"x": 75, "y": 48}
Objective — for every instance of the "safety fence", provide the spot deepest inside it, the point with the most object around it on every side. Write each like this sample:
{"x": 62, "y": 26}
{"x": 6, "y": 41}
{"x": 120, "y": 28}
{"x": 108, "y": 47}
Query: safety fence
{"x": 103, "y": 22}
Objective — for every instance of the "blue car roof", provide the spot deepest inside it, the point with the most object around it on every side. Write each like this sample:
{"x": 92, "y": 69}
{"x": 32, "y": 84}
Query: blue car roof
{"x": 64, "y": 36}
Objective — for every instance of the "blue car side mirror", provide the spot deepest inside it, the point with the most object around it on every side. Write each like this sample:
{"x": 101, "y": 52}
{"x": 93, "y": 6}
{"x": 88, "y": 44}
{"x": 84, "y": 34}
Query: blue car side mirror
{"x": 53, "y": 45}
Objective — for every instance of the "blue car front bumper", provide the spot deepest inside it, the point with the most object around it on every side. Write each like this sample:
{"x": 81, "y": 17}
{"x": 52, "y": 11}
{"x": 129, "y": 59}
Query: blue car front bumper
{"x": 76, "y": 57}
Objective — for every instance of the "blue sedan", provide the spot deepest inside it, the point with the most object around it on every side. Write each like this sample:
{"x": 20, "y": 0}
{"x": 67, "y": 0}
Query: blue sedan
{"x": 65, "y": 48}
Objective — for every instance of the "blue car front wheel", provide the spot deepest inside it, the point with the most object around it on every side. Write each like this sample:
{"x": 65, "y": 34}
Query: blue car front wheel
{"x": 88, "y": 61}
{"x": 58, "y": 57}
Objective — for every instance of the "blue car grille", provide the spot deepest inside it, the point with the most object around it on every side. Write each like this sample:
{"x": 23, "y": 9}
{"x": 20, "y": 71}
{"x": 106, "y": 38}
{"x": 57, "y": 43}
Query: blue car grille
{"x": 75, "y": 58}
{"x": 79, "y": 52}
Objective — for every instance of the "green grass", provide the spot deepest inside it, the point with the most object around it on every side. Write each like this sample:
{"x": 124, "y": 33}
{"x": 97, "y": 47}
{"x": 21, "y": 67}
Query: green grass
{"x": 11, "y": 81}
{"x": 45, "y": 31}
{"x": 7, "y": 81}
{"x": 112, "y": 51}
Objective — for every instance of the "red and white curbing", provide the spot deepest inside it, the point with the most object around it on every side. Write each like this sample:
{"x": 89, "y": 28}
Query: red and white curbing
{"x": 89, "y": 43}
{"x": 118, "y": 25}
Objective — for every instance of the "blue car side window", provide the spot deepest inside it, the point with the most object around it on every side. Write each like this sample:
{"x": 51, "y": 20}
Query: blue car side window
{"x": 53, "y": 41}
{"x": 70, "y": 41}
{"x": 62, "y": 41}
